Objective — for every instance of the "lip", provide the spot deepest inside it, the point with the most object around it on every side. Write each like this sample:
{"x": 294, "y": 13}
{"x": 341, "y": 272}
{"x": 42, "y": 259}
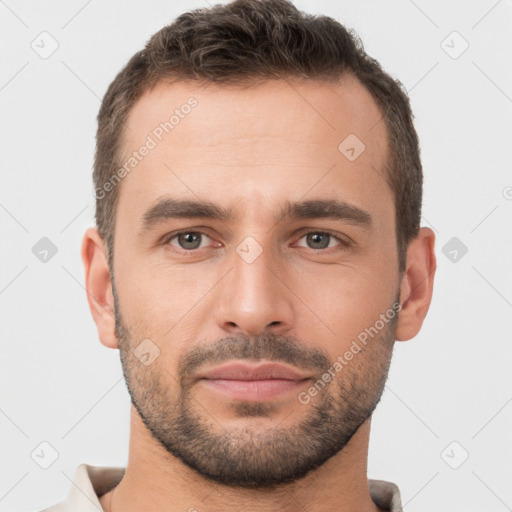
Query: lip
{"x": 241, "y": 381}
{"x": 246, "y": 372}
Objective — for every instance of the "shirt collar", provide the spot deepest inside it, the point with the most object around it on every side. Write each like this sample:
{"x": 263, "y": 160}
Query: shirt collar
{"x": 93, "y": 481}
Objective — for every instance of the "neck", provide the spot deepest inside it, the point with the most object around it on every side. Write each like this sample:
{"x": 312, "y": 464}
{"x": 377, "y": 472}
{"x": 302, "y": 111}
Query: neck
{"x": 156, "y": 480}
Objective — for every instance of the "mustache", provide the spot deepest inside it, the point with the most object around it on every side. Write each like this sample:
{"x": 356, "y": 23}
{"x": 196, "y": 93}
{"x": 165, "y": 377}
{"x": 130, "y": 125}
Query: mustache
{"x": 268, "y": 347}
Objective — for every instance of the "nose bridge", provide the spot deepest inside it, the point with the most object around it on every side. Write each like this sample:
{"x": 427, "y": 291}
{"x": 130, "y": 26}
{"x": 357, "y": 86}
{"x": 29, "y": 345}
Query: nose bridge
{"x": 253, "y": 298}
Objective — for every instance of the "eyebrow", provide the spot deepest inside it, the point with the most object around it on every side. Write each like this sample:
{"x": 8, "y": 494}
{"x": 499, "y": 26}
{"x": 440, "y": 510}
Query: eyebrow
{"x": 171, "y": 208}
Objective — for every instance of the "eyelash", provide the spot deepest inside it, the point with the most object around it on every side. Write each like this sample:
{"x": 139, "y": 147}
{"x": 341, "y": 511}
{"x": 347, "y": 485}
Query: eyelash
{"x": 166, "y": 241}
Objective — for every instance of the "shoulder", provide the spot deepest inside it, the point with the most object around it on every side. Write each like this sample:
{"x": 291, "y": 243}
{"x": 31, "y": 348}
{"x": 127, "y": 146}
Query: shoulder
{"x": 89, "y": 483}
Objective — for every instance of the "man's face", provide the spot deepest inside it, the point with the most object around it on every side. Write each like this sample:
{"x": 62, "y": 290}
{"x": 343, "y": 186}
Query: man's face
{"x": 296, "y": 289}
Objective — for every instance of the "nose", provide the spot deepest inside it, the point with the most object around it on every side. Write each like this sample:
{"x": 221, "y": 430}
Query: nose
{"x": 254, "y": 297}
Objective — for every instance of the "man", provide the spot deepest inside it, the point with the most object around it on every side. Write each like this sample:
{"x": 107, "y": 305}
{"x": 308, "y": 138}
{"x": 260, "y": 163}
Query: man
{"x": 257, "y": 254}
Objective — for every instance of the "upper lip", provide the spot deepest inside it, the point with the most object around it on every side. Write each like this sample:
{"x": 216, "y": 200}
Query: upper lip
{"x": 243, "y": 371}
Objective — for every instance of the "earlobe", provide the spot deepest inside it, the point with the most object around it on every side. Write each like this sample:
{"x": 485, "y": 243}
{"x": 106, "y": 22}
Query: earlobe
{"x": 99, "y": 287}
{"x": 417, "y": 285}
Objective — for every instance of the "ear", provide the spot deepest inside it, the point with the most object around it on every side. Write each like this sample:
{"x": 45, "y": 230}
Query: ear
{"x": 417, "y": 285}
{"x": 99, "y": 287}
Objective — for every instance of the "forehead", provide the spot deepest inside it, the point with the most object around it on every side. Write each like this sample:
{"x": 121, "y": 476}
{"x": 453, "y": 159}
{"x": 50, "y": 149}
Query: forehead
{"x": 274, "y": 139}
{"x": 309, "y": 110}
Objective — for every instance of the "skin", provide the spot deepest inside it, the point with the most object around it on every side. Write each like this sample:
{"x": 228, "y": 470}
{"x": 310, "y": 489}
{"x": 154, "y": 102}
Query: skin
{"x": 253, "y": 149}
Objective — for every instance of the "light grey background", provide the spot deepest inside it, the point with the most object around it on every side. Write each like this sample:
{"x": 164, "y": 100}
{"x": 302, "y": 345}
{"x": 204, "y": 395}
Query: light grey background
{"x": 451, "y": 383}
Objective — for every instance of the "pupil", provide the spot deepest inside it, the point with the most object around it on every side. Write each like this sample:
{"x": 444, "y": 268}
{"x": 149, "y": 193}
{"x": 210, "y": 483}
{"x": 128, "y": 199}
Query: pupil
{"x": 188, "y": 239}
{"x": 320, "y": 238}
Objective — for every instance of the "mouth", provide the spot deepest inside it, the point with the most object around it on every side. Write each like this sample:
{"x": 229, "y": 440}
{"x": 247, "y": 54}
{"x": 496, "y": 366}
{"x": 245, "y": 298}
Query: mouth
{"x": 253, "y": 383}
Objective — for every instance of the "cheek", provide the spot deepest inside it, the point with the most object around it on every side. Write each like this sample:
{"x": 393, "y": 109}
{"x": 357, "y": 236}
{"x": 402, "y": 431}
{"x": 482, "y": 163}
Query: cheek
{"x": 345, "y": 301}
{"x": 159, "y": 294}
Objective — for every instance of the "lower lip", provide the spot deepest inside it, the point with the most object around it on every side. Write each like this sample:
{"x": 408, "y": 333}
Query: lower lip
{"x": 254, "y": 390}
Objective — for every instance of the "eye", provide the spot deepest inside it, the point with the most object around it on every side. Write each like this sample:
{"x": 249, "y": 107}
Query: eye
{"x": 190, "y": 241}
{"x": 322, "y": 240}
{"x": 187, "y": 240}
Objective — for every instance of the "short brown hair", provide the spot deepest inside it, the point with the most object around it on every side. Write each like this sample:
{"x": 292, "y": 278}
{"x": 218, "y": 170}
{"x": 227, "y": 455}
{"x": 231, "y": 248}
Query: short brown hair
{"x": 248, "y": 41}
